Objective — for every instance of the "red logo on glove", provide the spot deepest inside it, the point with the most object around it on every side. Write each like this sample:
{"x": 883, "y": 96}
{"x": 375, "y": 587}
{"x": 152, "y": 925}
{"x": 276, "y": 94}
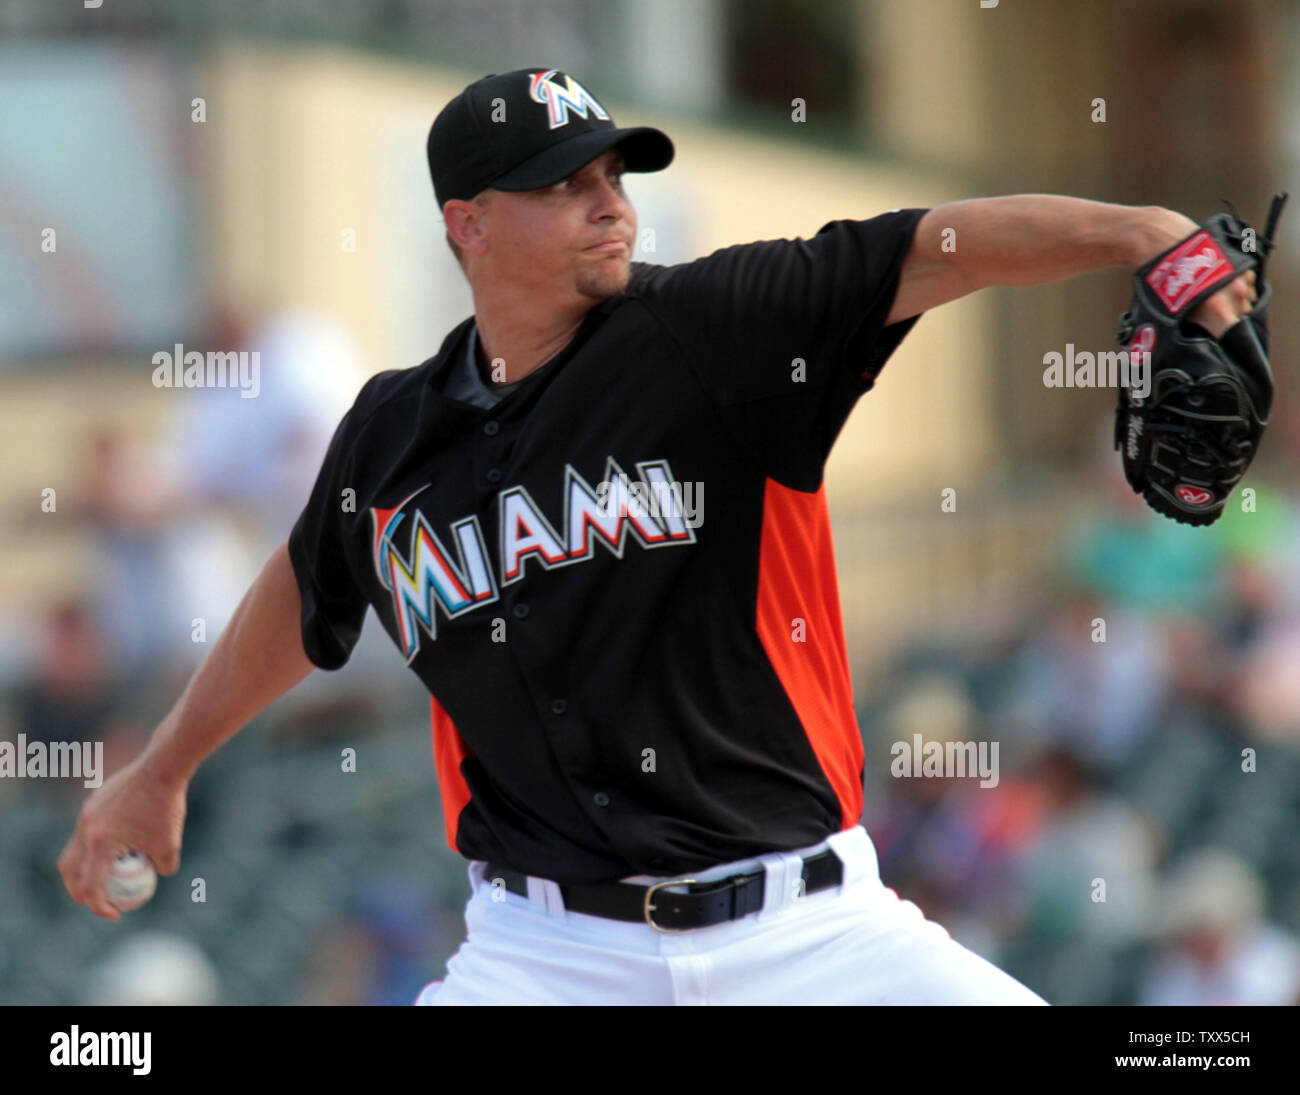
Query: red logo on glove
{"x": 1194, "y": 496}
{"x": 1188, "y": 268}
{"x": 1143, "y": 343}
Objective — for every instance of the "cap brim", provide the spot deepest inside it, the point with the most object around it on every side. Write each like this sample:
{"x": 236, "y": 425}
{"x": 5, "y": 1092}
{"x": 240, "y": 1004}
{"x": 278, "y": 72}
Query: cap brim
{"x": 644, "y": 148}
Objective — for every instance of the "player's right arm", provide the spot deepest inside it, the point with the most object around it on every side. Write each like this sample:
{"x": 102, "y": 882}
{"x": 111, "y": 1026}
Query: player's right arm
{"x": 258, "y": 658}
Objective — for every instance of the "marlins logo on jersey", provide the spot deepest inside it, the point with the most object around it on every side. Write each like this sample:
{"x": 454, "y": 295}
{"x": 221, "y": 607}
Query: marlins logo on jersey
{"x": 560, "y": 100}
{"x": 427, "y": 574}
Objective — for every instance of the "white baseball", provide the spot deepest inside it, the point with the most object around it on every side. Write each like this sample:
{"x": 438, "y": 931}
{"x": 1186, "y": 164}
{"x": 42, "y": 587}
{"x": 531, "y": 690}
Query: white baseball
{"x": 131, "y": 883}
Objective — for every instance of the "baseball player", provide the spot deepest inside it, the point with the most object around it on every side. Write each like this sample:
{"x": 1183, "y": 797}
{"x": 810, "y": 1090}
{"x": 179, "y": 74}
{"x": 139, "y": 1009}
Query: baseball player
{"x": 594, "y": 524}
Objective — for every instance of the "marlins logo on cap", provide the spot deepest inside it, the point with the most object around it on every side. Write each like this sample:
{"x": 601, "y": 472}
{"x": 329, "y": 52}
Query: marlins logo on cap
{"x": 573, "y": 96}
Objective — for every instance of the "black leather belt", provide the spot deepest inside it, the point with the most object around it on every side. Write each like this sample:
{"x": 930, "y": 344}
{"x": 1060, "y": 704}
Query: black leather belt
{"x": 701, "y": 906}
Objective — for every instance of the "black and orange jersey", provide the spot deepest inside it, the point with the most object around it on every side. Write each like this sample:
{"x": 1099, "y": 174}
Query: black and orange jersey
{"x": 618, "y": 582}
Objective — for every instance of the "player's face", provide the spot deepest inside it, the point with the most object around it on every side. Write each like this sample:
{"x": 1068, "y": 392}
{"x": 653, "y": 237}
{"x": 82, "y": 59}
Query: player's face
{"x": 558, "y": 238}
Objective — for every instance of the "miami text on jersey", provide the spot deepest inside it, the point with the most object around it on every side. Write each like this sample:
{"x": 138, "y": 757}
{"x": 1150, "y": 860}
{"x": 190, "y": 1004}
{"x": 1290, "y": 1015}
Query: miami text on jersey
{"x": 425, "y": 573}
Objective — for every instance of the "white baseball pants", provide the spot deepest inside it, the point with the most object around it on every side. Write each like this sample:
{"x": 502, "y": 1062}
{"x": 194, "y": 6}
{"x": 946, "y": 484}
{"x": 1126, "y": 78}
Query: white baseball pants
{"x": 857, "y": 943}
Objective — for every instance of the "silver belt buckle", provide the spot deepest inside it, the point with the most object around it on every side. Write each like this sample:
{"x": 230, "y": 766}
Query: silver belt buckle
{"x": 649, "y": 907}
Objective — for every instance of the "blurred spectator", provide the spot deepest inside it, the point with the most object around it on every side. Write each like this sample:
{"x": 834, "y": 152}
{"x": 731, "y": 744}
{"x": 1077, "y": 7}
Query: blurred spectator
{"x": 259, "y": 455}
{"x": 1097, "y": 699}
{"x": 1251, "y": 602}
{"x": 1140, "y": 561}
{"x": 1261, "y": 683}
{"x": 154, "y": 969}
{"x": 1198, "y": 668}
{"x": 1086, "y": 836}
{"x": 72, "y": 693}
{"x": 382, "y": 951}
{"x": 127, "y": 500}
{"x": 1269, "y": 686}
{"x": 1217, "y": 948}
{"x": 245, "y": 466}
{"x": 946, "y": 843}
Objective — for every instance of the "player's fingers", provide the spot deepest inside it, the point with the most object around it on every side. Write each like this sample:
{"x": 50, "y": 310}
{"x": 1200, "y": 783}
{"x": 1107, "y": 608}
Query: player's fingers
{"x": 98, "y": 903}
{"x": 69, "y": 865}
{"x": 1242, "y": 293}
{"x": 163, "y": 844}
{"x": 101, "y": 854}
{"x": 165, "y": 860}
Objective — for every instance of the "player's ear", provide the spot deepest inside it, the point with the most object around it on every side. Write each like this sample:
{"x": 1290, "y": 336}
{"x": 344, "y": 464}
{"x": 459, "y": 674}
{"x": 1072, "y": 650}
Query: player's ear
{"x": 463, "y": 221}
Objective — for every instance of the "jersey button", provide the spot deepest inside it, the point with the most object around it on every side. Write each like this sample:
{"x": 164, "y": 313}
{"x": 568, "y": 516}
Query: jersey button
{"x": 520, "y": 610}
{"x": 600, "y": 798}
{"x": 494, "y": 475}
{"x": 559, "y": 707}
{"x": 491, "y": 428}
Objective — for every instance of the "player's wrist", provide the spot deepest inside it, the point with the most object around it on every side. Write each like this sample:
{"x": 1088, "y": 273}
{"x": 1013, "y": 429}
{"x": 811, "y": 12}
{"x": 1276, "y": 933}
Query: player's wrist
{"x": 1155, "y": 230}
{"x": 165, "y": 762}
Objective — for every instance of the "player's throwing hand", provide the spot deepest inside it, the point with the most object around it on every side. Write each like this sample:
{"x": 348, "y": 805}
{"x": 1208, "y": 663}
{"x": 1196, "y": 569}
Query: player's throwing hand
{"x": 140, "y": 809}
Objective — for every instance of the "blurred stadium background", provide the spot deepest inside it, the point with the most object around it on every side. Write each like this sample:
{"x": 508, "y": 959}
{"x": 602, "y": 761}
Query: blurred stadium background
{"x": 201, "y": 166}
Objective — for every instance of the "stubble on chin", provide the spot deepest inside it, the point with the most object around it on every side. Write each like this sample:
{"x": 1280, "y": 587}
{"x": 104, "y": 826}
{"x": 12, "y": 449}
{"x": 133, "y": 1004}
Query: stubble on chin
{"x": 604, "y": 280}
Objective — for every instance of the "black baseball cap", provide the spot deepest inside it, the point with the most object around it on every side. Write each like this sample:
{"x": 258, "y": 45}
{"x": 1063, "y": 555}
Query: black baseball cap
{"x": 527, "y": 129}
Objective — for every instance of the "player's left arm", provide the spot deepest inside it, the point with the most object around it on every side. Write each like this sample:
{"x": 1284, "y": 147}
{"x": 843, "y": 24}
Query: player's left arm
{"x": 1030, "y": 239}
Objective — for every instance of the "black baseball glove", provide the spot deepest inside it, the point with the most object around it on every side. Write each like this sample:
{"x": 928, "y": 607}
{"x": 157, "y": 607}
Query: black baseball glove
{"x": 1188, "y": 441}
